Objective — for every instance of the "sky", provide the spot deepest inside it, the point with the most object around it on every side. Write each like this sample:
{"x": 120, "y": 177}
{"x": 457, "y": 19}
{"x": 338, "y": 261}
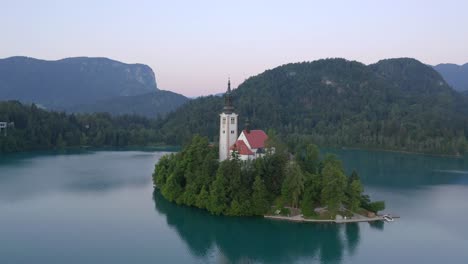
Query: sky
{"x": 194, "y": 46}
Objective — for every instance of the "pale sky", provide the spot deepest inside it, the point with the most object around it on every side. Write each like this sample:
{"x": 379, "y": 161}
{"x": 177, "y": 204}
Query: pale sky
{"x": 193, "y": 46}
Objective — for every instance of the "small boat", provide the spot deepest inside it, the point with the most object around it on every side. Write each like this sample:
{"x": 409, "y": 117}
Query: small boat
{"x": 388, "y": 218}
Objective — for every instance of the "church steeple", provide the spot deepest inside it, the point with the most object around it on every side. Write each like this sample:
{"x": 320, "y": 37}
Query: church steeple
{"x": 227, "y": 126}
{"x": 228, "y": 107}
{"x": 247, "y": 125}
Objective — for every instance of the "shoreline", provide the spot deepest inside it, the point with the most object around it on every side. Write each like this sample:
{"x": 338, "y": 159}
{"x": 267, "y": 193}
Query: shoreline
{"x": 398, "y": 151}
{"x": 167, "y": 148}
{"x": 175, "y": 148}
{"x": 300, "y": 219}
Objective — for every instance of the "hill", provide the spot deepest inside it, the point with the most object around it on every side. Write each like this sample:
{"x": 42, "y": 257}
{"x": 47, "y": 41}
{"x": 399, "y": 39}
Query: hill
{"x": 72, "y": 81}
{"x": 150, "y": 105}
{"x": 455, "y": 75}
{"x": 31, "y": 128}
{"x": 396, "y": 104}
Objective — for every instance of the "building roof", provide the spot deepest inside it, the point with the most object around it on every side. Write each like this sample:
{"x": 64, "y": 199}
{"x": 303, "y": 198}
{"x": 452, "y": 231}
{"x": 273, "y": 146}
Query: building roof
{"x": 241, "y": 148}
{"x": 256, "y": 138}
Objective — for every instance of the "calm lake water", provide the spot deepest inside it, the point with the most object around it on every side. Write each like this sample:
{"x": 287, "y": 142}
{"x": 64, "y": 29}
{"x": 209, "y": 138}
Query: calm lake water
{"x": 99, "y": 207}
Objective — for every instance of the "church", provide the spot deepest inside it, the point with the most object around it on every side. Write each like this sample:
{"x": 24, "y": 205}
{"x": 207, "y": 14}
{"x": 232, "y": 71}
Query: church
{"x": 250, "y": 144}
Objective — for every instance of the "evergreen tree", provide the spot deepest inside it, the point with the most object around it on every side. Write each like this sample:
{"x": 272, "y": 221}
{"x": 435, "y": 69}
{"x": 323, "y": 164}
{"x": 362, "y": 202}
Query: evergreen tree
{"x": 203, "y": 199}
{"x": 312, "y": 193}
{"x": 293, "y": 184}
{"x": 219, "y": 194}
{"x": 334, "y": 186}
{"x": 354, "y": 192}
{"x": 308, "y": 157}
{"x": 260, "y": 202}
{"x": 172, "y": 190}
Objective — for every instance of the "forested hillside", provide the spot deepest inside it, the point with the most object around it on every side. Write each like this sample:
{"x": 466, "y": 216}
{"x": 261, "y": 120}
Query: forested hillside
{"x": 150, "y": 105}
{"x": 396, "y": 104}
{"x": 32, "y": 128}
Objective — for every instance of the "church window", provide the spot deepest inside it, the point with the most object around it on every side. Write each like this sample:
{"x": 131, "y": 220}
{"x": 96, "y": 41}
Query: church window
{"x": 224, "y": 120}
{"x": 224, "y": 131}
{"x": 233, "y": 120}
{"x": 232, "y": 131}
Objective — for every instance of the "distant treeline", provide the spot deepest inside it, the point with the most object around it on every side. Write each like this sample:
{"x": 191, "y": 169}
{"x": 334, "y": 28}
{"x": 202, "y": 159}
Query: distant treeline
{"x": 31, "y": 128}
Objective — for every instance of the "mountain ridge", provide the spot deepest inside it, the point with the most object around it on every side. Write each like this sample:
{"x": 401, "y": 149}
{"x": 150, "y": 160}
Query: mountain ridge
{"x": 71, "y": 81}
{"x": 456, "y": 75}
{"x": 396, "y": 104}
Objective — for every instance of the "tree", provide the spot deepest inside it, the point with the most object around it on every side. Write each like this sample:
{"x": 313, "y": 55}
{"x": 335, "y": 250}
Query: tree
{"x": 354, "y": 176}
{"x": 308, "y": 157}
{"x": 272, "y": 169}
{"x": 376, "y": 206}
{"x": 259, "y": 197}
{"x": 218, "y": 194}
{"x": 312, "y": 192}
{"x": 172, "y": 190}
{"x": 162, "y": 170}
{"x": 334, "y": 186}
{"x": 293, "y": 184}
{"x": 203, "y": 199}
{"x": 235, "y": 208}
{"x": 354, "y": 192}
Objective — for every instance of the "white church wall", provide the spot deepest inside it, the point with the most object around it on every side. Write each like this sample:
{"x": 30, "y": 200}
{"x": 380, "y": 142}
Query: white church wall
{"x": 227, "y": 134}
{"x": 244, "y": 138}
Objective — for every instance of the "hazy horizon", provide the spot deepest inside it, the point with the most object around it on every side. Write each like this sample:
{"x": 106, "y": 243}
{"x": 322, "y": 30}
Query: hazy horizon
{"x": 193, "y": 47}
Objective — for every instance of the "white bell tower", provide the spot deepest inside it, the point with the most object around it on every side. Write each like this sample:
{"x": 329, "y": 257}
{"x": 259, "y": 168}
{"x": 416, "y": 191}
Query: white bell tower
{"x": 227, "y": 126}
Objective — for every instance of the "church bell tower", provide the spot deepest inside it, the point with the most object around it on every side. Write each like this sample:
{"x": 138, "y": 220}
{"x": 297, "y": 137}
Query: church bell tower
{"x": 227, "y": 126}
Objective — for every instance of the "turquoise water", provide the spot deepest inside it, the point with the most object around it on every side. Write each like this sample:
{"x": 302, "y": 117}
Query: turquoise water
{"x": 99, "y": 207}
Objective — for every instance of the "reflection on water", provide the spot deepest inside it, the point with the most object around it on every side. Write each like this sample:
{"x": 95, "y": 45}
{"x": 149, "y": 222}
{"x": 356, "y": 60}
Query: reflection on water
{"x": 257, "y": 239}
{"x": 402, "y": 171}
{"x": 24, "y": 176}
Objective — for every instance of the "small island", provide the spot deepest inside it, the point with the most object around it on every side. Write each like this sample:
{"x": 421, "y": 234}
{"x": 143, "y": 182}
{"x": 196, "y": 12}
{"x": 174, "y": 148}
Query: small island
{"x": 256, "y": 174}
{"x": 304, "y": 188}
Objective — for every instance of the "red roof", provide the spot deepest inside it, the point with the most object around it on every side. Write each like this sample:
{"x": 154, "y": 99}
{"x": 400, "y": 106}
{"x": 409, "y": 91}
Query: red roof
{"x": 256, "y": 138}
{"x": 241, "y": 148}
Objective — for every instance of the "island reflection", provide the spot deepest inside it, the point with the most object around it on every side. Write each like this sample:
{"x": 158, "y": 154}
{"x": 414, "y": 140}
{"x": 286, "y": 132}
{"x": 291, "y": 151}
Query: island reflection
{"x": 258, "y": 240}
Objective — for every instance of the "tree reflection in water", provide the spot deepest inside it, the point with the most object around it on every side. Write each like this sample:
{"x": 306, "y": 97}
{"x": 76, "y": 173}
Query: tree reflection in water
{"x": 255, "y": 239}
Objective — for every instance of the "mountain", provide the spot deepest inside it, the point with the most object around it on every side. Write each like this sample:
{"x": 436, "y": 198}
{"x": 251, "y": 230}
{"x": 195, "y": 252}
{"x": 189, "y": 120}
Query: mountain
{"x": 151, "y": 105}
{"x": 455, "y": 75}
{"x": 395, "y": 104}
{"x": 72, "y": 81}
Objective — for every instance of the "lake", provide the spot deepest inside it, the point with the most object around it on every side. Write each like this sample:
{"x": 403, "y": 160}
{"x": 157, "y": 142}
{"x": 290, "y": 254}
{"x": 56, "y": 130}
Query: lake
{"x": 100, "y": 207}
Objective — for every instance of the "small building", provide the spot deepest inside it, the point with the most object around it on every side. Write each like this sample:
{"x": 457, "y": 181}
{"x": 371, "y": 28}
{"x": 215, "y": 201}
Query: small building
{"x": 250, "y": 144}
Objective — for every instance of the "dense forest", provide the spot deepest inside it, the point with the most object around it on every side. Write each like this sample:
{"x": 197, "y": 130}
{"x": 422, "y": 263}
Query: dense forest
{"x": 31, "y": 128}
{"x": 151, "y": 105}
{"x": 195, "y": 177}
{"x": 396, "y": 104}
